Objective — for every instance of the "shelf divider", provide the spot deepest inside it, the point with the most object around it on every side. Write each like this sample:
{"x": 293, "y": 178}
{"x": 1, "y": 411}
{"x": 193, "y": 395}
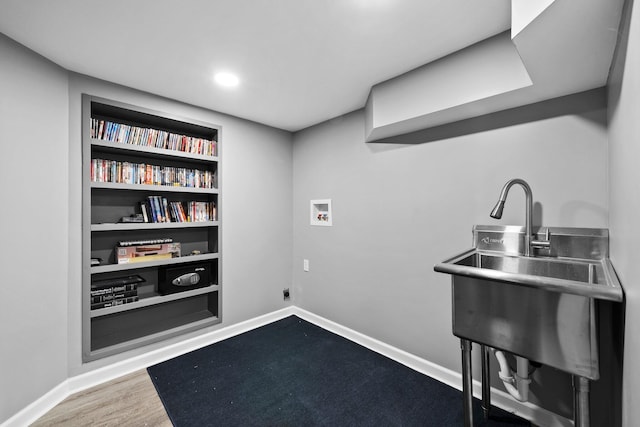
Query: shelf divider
{"x": 156, "y": 188}
{"x": 120, "y": 226}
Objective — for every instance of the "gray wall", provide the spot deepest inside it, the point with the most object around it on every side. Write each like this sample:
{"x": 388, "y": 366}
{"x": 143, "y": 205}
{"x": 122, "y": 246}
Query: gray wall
{"x": 40, "y": 309}
{"x": 34, "y": 225}
{"x": 399, "y": 209}
{"x": 624, "y": 198}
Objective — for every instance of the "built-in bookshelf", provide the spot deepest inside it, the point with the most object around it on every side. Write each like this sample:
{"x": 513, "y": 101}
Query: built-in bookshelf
{"x": 151, "y": 226}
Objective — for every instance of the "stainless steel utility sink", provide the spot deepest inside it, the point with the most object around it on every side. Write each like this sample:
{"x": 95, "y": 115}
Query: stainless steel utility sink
{"x": 542, "y": 306}
{"x": 535, "y": 295}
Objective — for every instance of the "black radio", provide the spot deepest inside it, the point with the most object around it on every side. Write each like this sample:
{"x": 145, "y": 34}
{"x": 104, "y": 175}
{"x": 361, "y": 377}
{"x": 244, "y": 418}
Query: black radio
{"x": 184, "y": 278}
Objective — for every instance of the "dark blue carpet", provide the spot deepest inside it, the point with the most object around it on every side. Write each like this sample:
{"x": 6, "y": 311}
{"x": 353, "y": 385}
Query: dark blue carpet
{"x": 293, "y": 373}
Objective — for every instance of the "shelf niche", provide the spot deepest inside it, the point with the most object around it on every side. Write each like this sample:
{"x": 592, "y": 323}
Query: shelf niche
{"x": 138, "y": 136}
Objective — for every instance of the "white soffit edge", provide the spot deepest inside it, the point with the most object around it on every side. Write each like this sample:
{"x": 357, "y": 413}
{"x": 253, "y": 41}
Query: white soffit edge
{"x": 566, "y": 48}
{"x": 523, "y": 12}
{"x": 569, "y": 47}
{"x": 448, "y": 85}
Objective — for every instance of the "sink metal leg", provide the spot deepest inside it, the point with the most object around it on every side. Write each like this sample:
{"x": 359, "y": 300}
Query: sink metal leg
{"x": 580, "y": 401}
{"x": 467, "y": 385}
{"x": 486, "y": 381}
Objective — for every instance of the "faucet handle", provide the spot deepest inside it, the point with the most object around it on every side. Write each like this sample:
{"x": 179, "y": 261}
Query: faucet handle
{"x": 543, "y": 244}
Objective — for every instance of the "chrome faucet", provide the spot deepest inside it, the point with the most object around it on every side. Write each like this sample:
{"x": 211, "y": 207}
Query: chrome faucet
{"x": 528, "y": 236}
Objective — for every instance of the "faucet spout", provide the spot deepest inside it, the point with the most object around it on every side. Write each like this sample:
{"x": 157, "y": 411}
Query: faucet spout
{"x": 497, "y": 210}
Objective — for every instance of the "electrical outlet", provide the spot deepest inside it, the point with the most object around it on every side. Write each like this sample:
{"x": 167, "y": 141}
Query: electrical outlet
{"x": 305, "y": 265}
{"x": 285, "y": 293}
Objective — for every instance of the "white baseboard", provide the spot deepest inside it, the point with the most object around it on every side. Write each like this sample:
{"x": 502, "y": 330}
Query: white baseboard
{"x": 90, "y": 379}
{"x": 38, "y": 408}
{"x": 535, "y": 414}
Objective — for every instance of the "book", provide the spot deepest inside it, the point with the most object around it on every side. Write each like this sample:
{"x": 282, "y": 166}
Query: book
{"x": 165, "y": 209}
{"x": 150, "y": 252}
{"x": 132, "y": 287}
{"x": 114, "y": 302}
{"x": 146, "y": 258}
{"x": 132, "y": 218}
{"x": 143, "y": 209}
{"x": 95, "y": 299}
{"x": 116, "y": 281}
{"x": 152, "y": 209}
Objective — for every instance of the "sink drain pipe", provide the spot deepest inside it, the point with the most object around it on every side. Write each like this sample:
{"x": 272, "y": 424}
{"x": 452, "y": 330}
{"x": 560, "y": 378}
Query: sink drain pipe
{"x": 517, "y": 384}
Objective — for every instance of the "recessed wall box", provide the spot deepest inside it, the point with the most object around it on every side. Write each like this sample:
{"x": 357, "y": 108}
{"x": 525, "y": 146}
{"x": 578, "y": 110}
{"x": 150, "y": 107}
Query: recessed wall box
{"x": 320, "y": 211}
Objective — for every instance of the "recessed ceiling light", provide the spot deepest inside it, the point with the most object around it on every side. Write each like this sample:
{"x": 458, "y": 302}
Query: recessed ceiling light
{"x": 226, "y": 79}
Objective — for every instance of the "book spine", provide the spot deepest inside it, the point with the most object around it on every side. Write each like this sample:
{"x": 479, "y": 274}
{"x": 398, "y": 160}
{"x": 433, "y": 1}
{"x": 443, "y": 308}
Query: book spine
{"x": 112, "y": 296}
{"x": 174, "y": 212}
{"x": 165, "y": 208}
{"x": 114, "y": 303}
{"x": 143, "y": 209}
{"x": 111, "y": 290}
{"x": 152, "y": 208}
{"x": 157, "y": 206}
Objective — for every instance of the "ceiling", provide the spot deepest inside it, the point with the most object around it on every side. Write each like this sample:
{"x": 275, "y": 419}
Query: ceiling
{"x": 300, "y": 62}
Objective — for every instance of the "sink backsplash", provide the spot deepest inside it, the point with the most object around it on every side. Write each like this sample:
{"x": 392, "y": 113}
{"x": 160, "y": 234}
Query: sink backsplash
{"x": 584, "y": 243}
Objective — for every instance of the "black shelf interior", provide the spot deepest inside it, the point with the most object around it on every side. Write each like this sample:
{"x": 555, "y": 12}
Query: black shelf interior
{"x": 147, "y": 120}
{"x": 129, "y": 325}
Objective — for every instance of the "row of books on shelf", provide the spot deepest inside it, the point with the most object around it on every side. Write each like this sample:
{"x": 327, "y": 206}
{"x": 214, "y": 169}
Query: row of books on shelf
{"x": 114, "y": 292}
{"x": 148, "y": 137}
{"x": 157, "y": 209}
{"x": 141, "y": 173}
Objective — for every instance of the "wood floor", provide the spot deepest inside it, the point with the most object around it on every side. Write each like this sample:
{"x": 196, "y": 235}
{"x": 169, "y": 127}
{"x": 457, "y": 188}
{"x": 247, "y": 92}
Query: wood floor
{"x": 130, "y": 400}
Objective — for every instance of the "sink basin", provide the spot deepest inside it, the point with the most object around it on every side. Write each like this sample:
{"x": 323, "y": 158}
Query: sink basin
{"x": 589, "y": 278}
